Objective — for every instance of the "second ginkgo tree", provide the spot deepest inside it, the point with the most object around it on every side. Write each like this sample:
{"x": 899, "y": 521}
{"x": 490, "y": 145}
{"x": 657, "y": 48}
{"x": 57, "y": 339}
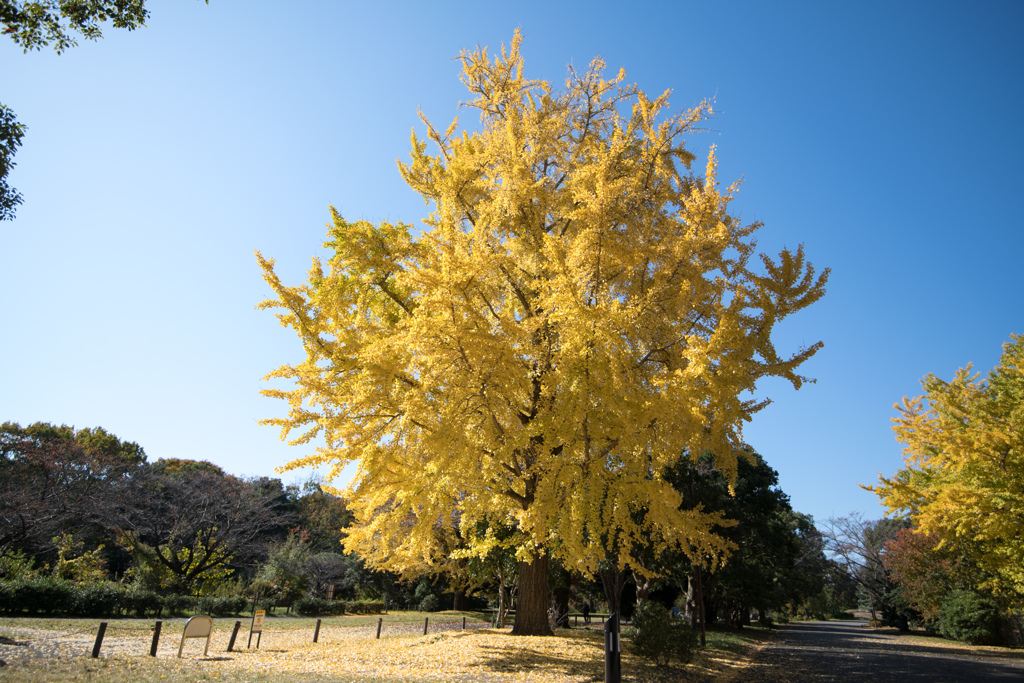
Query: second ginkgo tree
{"x": 576, "y": 314}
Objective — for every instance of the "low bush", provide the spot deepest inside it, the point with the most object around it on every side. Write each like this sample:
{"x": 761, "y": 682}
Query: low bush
{"x": 317, "y": 607}
{"x": 364, "y": 607}
{"x": 657, "y": 636}
{"x": 142, "y": 603}
{"x": 98, "y": 600}
{"x": 431, "y": 603}
{"x": 177, "y": 604}
{"x": 970, "y": 618}
{"x": 222, "y": 606}
{"x": 40, "y": 595}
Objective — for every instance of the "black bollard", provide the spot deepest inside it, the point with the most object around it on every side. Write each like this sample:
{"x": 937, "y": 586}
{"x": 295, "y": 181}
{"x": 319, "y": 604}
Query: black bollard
{"x": 380, "y": 621}
{"x": 234, "y": 634}
{"x": 612, "y": 650}
{"x": 99, "y": 640}
{"x": 156, "y": 638}
{"x": 316, "y": 631}
{"x": 463, "y": 623}
{"x": 425, "y": 620}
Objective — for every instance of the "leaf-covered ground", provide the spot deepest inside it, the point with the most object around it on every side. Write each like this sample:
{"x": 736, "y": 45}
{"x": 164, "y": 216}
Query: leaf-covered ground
{"x": 347, "y": 651}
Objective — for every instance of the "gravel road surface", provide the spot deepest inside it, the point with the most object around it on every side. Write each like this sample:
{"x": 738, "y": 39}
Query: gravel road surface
{"x": 849, "y": 651}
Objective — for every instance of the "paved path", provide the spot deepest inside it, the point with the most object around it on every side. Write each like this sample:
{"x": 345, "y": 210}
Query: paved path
{"x": 819, "y": 651}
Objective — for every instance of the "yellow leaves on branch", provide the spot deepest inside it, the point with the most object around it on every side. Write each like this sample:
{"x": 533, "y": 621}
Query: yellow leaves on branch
{"x": 963, "y": 442}
{"x": 575, "y": 314}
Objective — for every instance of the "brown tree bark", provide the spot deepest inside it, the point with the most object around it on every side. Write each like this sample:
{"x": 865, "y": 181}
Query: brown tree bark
{"x": 461, "y": 601}
{"x": 532, "y": 606}
{"x": 613, "y": 580}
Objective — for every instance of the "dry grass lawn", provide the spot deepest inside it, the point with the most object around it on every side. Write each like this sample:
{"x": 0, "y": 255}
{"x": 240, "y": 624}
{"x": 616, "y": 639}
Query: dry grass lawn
{"x": 39, "y": 650}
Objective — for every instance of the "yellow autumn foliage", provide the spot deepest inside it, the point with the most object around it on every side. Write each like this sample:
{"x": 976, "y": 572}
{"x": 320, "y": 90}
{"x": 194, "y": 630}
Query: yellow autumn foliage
{"x": 578, "y": 311}
{"x": 963, "y": 442}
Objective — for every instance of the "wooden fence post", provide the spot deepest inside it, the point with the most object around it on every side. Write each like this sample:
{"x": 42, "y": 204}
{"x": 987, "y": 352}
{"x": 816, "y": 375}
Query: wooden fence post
{"x": 234, "y": 634}
{"x": 425, "y": 620}
{"x": 156, "y": 638}
{"x": 99, "y": 640}
{"x": 380, "y": 621}
{"x": 316, "y": 631}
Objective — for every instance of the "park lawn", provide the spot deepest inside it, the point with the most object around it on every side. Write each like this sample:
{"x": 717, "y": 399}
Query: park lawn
{"x": 348, "y": 652}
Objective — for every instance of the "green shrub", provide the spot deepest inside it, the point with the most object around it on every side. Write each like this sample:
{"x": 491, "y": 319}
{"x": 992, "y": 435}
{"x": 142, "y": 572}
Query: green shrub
{"x": 431, "y": 603}
{"x": 141, "y": 603}
{"x": 42, "y": 595}
{"x": 222, "y": 606}
{"x": 659, "y": 637}
{"x": 177, "y": 604}
{"x": 316, "y": 607}
{"x": 364, "y": 607}
{"x": 970, "y": 618}
{"x": 7, "y": 596}
{"x": 98, "y": 600}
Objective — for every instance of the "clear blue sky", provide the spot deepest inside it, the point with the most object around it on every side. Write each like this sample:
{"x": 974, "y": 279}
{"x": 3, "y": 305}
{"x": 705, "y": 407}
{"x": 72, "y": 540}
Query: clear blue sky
{"x": 886, "y": 137}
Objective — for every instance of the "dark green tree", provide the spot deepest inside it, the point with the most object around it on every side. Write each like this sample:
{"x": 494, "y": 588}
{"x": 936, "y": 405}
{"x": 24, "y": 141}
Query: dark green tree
{"x": 765, "y": 535}
{"x": 11, "y": 133}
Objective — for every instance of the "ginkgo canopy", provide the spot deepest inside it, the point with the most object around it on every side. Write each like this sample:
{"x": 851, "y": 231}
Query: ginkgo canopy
{"x": 578, "y": 311}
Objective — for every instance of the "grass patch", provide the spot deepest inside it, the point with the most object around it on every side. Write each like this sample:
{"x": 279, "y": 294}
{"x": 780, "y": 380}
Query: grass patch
{"x": 347, "y": 652}
{"x": 737, "y": 641}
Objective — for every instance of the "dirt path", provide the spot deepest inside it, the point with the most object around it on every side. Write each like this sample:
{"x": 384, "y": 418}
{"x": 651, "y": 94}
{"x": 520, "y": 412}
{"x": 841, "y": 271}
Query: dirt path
{"x": 849, "y": 651}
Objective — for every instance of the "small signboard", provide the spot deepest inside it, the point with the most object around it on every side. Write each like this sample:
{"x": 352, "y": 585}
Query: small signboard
{"x": 197, "y": 627}
{"x": 257, "y": 627}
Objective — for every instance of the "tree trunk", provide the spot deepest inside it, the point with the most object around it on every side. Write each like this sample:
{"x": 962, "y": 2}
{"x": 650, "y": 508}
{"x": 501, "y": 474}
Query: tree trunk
{"x": 532, "y": 608}
{"x": 613, "y": 580}
{"x": 502, "y": 599}
{"x": 461, "y": 601}
{"x": 643, "y": 588}
{"x": 700, "y": 607}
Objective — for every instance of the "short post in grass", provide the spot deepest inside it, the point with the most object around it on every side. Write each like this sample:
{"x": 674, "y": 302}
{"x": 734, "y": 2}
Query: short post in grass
{"x": 99, "y": 640}
{"x": 156, "y": 638}
{"x": 380, "y": 622}
{"x": 234, "y": 634}
{"x": 425, "y": 620}
{"x": 612, "y": 650}
{"x": 463, "y": 623}
{"x": 316, "y": 631}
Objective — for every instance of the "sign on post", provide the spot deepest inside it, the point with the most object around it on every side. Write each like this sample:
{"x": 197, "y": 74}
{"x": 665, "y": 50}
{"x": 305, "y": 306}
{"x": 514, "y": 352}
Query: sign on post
{"x": 256, "y": 627}
{"x": 197, "y": 627}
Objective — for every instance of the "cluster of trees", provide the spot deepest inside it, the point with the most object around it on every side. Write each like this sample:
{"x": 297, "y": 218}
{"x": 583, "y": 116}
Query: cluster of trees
{"x": 954, "y": 558}
{"x": 84, "y": 506}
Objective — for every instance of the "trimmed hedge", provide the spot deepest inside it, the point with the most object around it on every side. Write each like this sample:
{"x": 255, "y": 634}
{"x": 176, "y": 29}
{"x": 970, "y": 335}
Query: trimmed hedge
{"x": 223, "y": 606}
{"x": 318, "y": 607}
{"x": 47, "y": 595}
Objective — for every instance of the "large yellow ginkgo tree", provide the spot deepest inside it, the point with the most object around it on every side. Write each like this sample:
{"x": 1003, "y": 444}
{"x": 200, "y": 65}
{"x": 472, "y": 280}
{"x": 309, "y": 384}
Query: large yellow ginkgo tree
{"x": 578, "y": 311}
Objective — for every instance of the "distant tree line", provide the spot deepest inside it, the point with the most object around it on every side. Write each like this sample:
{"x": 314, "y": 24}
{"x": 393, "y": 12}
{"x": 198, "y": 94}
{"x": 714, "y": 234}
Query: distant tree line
{"x": 85, "y": 507}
